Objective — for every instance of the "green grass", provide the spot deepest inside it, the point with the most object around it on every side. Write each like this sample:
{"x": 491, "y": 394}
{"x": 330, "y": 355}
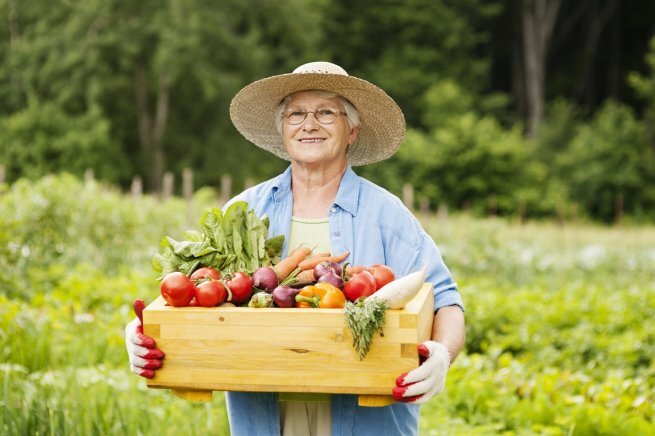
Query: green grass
{"x": 560, "y": 321}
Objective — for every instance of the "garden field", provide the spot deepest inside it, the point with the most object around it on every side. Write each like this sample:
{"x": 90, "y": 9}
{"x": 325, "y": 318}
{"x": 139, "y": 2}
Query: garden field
{"x": 560, "y": 320}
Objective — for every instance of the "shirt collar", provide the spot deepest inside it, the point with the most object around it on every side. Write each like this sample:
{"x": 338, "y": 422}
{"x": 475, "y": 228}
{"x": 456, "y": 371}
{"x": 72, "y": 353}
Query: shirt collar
{"x": 281, "y": 184}
{"x": 347, "y": 196}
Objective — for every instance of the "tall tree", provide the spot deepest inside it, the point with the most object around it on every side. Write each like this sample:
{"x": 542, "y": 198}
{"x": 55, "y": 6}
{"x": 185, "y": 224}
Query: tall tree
{"x": 537, "y": 23}
{"x": 407, "y": 46}
{"x": 162, "y": 72}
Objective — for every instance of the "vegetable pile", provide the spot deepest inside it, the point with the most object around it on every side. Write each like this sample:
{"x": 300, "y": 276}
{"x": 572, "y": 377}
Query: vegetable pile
{"x": 230, "y": 262}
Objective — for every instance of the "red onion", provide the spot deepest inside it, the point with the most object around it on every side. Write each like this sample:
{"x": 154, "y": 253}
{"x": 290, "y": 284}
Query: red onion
{"x": 325, "y": 267}
{"x": 265, "y": 279}
{"x": 285, "y": 296}
{"x": 332, "y": 278}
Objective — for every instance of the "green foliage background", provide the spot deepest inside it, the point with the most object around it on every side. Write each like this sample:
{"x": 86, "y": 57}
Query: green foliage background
{"x": 141, "y": 87}
{"x": 560, "y": 326}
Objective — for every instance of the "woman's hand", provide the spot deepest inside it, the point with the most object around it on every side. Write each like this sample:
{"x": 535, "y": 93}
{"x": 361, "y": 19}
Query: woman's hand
{"x": 144, "y": 357}
{"x": 423, "y": 383}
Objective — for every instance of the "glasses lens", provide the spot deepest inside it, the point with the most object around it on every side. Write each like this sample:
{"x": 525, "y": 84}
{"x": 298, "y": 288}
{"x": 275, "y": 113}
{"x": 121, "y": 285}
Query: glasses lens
{"x": 323, "y": 116}
{"x": 295, "y": 117}
{"x": 326, "y": 116}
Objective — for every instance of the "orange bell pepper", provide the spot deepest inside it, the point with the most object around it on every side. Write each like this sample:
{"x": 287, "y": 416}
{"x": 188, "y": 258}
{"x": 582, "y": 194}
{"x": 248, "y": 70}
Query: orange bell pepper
{"x": 334, "y": 298}
{"x": 322, "y": 295}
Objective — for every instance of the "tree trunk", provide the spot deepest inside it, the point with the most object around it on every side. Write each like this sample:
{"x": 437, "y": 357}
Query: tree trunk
{"x": 537, "y": 21}
{"x": 152, "y": 128}
{"x": 12, "y": 18}
{"x": 598, "y": 18}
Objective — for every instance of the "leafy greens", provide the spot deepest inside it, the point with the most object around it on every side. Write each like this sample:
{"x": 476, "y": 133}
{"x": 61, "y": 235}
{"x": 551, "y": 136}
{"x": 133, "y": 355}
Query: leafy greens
{"x": 232, "y": 241}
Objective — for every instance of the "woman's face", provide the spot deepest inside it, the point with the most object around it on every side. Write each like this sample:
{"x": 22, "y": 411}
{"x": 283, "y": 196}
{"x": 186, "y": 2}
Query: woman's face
{"x": 312, "y": 143}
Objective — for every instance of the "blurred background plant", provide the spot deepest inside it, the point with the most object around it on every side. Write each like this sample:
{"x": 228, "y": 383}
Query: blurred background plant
{"x": 560, "y": 332}
{"x": 530, "y": 127}
{"x": 508, "y": 110}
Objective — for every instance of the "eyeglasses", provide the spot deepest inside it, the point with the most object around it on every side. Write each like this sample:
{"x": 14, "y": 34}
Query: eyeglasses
{"x": 323, "y": 116}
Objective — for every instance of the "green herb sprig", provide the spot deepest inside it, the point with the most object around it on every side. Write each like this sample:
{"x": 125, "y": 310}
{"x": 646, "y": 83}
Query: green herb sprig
{"x": 364, "y": 318}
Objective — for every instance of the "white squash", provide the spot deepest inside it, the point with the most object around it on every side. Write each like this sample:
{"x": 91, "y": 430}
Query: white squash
{"x": 401, "y": 291}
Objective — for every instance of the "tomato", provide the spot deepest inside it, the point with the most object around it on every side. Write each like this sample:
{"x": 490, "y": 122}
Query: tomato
{"x": 211, "y": 293}
{"x": 177, "y": 289}
{"x": 361, "y": 284}
{"x": 382, "y": 275}
{"x": 205, "y": 273}
{"x": 240, "y": 286}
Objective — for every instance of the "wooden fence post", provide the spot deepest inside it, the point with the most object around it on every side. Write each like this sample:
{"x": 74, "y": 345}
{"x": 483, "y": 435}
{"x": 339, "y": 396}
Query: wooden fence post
{"x": 561, "y": 214}
{"x": 408, "y": 196}
{"x": 187, "y": 184}
{"x": 424, "y": 206}
{"x": 137, "y": 186}
{"x": 442, "y": 212}
{"x": 522, "y": 211}
{"x": 187, "y": 193}
{"x": 226, "y": 188}
{"x": 167, "y": 185}
{"x": 89, "y": 175}
{"x": 618, "y": 209}
{"x": 3, "y": 174}
{"x": 493, "y": 206}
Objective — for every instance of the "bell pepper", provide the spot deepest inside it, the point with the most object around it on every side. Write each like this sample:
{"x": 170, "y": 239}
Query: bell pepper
{"x": 321, "y": 295}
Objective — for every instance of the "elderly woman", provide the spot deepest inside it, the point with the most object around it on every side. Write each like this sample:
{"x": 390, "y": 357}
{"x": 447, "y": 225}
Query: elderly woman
{"x": 324, "y": 122}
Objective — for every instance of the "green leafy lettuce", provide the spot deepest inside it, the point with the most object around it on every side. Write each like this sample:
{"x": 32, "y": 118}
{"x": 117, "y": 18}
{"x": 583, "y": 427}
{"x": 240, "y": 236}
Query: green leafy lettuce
{"x": 232, "y": 241}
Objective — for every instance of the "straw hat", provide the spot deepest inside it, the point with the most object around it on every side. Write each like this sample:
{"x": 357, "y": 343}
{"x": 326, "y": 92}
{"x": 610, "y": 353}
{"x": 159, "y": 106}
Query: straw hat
{"x": 383, "y": 125}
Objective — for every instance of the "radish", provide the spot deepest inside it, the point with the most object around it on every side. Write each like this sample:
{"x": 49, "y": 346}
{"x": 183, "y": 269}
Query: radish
{"x": 401, "y": 291}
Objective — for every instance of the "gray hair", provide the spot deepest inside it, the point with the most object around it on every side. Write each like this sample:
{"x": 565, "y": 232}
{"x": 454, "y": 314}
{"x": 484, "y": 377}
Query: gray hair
{"x": 352, "y": 114}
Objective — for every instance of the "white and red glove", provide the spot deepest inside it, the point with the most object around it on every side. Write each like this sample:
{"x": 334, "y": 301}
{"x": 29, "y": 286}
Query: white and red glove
{"x": 145, "y": 358}
{"x": 421, "y": 384}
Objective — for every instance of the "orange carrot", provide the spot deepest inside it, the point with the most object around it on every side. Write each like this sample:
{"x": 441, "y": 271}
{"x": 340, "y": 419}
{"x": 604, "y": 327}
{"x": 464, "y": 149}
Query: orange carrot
{"x": 311, "y": 263}
{"x": 286, "y": 266}
{"x": 351, "y": 269}
{"x": 306, "y": 276}
{"x": 315, "y": 255}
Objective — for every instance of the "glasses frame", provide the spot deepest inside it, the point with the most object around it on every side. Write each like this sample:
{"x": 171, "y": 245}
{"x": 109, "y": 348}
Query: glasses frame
{"x": 286, "y": 115}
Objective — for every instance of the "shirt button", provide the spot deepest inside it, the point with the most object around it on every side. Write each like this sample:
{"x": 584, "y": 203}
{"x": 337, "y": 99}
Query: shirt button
{"x": 333, "y": 210}
{"x": 337, "y": 233}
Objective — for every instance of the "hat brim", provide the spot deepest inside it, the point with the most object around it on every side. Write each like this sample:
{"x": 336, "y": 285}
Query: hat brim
{"x": 382, "y": 122}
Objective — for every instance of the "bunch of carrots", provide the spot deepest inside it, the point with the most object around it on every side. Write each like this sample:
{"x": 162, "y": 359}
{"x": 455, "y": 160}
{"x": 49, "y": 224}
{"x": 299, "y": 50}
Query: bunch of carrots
{"x": 300, "y": 264}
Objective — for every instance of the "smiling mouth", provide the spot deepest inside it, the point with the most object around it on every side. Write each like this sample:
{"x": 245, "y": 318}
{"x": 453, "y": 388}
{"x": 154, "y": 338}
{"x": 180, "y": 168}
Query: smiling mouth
{"x": 311, "y": 140}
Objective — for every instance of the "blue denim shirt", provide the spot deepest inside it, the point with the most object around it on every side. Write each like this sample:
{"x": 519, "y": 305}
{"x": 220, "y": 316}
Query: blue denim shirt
{"x": 375, "y": 227}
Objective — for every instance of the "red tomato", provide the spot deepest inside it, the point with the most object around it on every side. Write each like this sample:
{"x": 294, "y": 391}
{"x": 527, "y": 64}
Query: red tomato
{"x": 177, "y": 289}
{"x": 240, "y": 286}
{"x": 361, "y": 284}
{"x": 211, "y": 293}
{"x": 205, "y": 273}
{"x": 382, "y": 275}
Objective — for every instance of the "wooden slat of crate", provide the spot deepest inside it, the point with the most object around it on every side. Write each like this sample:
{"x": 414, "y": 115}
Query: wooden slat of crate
{"x": 282, "y": 350}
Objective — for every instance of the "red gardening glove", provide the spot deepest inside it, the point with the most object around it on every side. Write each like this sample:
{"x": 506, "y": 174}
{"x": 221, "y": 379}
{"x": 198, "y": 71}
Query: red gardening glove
{"x": 144, "y": 357}
{"x": 423, "y": 383}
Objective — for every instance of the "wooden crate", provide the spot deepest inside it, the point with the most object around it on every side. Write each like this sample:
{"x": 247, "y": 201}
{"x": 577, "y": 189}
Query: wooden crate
{"x": 282, "y": 350}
